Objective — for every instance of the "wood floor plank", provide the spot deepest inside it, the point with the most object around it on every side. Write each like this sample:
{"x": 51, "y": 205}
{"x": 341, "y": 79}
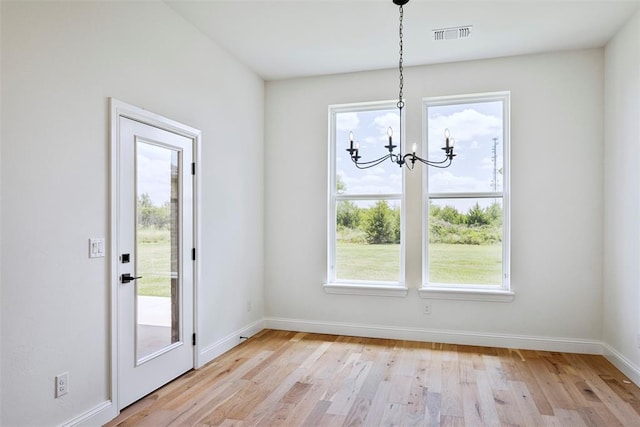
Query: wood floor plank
{"x": 318, "y": 412}
{"x": 487, "y": 408}
{"x": 535, "y": 391}
{"x": 527, "y": 408}
{"x": 283, "y": 378}
{"x": 434, "y": 408}
{"x": 358, "y": 412}
{"x": 507, "y": 408}
{"x": 378, "y": 404}
{"x": 417, "y": 398}
{"x": 451, "y": 392}
{"x": 308, "y": 403}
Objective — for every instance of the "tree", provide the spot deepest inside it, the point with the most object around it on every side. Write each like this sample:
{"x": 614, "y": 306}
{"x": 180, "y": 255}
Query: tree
{"x": 150, "y": 215}
{"x": 397, "y": 230}
{"x": 378, "y": 224}
{"x": 145, "y": 210}
{"x": 347, "y": 214}
{"x": 341, "y": 187}
{"x": 451, "y": 215}
{"x": 477, "y": 216}
{"x": 494, "y": 212}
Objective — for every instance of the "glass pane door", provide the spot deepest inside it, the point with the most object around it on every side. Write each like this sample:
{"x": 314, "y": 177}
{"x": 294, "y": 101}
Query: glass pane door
{"x": 157, "y": 249}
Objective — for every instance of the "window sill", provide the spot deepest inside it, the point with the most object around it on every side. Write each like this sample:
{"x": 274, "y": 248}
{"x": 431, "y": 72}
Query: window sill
{"x": 366, "y": 289}
{"x": 467, "y": 294}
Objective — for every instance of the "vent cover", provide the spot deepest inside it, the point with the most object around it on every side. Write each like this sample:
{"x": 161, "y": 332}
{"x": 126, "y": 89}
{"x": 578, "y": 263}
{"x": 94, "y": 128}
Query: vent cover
{"x": 452, "y": 33}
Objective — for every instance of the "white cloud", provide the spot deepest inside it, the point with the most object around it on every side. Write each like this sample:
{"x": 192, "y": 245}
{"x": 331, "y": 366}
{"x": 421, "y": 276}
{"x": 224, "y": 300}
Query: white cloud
{"x": 487, "y": 162}
{"x": 445, "y": 181}
{"x": 377, "y": 180}
{"x": 466, "y": 127}
{"x": 154, "y": 172}
{"x": 386, "y": 121}
{"x": 347, "y": 121}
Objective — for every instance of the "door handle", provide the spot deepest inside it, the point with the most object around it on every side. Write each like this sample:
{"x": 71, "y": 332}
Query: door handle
{"x": 126, "y": 278}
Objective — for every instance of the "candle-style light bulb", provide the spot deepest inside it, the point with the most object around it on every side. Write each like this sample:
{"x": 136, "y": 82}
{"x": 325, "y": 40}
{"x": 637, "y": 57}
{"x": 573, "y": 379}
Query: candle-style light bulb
{"x": 390, "y": 134}
{"x": 446, "y": 133}
{"x": 452, "y": 142}
{"x": 414, "y": 148}
{"x": 351, "y": 141}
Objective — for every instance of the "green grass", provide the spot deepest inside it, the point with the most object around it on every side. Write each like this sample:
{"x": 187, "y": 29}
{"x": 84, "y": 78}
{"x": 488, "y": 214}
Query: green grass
{"x": 154, "y": 262}
{"x": 361, "y": 261}
{"x": 465, "y": 264}
{"x": 451, "y": 264}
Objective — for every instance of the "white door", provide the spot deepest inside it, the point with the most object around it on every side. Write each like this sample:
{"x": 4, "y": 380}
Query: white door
{"x": 155, "y": 268}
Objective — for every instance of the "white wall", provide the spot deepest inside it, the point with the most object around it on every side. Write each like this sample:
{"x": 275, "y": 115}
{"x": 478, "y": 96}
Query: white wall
{"x": 622, "y": 197}
{"x": 60, "y": 63}
{"x": 556, "y": 145}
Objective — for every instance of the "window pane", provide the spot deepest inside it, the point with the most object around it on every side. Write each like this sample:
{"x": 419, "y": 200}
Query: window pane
{"x": 465, "y": 241}
{"x": 157, "y": 252}
{"x": 370, "y": 132}
{"x": 368, "y": 240}
{"x": 477, "y": 129}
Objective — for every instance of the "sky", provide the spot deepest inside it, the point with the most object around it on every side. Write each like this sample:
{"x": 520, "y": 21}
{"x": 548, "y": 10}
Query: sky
{"x": 472, "y": 125}
{"x": 153, "y": 169}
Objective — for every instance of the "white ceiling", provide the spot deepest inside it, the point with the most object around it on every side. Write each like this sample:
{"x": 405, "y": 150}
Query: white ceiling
{"x": 286, "y": 39}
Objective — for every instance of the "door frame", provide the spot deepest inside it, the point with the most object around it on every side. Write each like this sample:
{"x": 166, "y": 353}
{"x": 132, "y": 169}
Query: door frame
{"x": 117, "y": 110}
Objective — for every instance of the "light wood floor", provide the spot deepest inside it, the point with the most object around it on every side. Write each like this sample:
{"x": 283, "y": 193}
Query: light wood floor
{"x": 282, "y": 378}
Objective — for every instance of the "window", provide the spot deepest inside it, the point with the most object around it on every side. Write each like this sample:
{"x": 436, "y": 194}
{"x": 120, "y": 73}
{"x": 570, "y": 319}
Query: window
{"x": 365, "y": 247}
{"x": 466, "y": 213}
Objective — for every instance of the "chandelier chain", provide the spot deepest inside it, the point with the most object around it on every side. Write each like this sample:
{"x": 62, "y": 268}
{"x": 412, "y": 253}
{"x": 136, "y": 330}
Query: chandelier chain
{"x": 400, "y": 62}
{"x": 401, "y": 157}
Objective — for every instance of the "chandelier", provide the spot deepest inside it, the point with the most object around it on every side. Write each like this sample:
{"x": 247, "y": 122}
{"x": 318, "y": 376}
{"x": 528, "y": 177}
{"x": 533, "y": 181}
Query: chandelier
{"x": 407, "y": 159}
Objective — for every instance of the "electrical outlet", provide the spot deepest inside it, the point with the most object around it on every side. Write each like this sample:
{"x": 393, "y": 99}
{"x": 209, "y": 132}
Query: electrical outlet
{"x": 427, "y": 308}
{"x": 62, "y": 384}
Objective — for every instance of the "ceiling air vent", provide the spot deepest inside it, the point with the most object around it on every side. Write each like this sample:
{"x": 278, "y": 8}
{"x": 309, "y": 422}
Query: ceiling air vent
{"x": 452, "y": 33}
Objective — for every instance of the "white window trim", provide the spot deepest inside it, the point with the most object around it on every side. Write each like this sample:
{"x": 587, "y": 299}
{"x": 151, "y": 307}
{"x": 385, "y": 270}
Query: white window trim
{"x": 366, "y": 288}
{"x": 334, "y": 285}
{"x": 503, "y": 293}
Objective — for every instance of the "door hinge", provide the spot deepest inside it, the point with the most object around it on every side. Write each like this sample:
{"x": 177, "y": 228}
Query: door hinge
{"x": 193, "y": 254}
{"x": 193, "y": 168}
{"x": 193, "y": 339}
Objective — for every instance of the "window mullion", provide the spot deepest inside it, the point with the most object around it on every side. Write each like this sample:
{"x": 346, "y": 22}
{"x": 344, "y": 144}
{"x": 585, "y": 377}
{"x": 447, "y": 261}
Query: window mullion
{"x": 368, "y": 197}
{"x": 469, "y": 195}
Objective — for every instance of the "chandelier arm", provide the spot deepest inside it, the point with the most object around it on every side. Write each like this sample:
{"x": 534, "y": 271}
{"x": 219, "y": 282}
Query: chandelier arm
{"x": 442, "y": 164}
{"x": 369, "y": 164}
{"x": 413, "y": 158}
{"x": 360, "y": 166}
{"x": 379, "y": 160}
{"x": 409, "y": 165}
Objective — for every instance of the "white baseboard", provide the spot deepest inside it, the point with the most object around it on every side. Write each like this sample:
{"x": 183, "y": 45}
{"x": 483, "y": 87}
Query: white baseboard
{"x": 567, "y": 345}
{"x": 97, "y": 416}
{"x": 625, "y": 365}
{"x": 225, "y": 344}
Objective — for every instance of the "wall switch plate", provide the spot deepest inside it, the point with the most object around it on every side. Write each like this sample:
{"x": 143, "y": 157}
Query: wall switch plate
{"x": 62, "y": 384}
{"x": 96, "y": 248}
